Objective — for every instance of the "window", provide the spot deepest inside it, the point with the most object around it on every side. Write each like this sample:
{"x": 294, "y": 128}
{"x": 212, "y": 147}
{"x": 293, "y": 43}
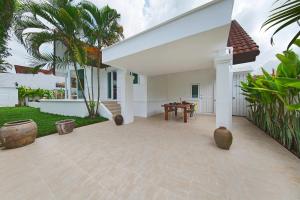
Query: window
{"x": 135, "y": 78}
{"x": 109, "y": 85}
{"x": 195, "y": 91}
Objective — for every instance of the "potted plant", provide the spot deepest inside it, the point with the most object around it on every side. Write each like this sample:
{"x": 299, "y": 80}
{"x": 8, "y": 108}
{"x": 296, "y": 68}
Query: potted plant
{"x": 119, "y": 120}
{"x": 65, "y": 126}
{"x": 18, "y": 133}
{"x": 223, "y": 138}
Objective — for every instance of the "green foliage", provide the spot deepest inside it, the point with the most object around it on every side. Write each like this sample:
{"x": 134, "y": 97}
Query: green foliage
{"x": 286, "y": 14}
{"x": 45, "y": 121}
{"x": 7, "y": 9}
{"x": 24, "y": 92}
{"x": 274, "y": 101}
{"x": 77, "y": 28}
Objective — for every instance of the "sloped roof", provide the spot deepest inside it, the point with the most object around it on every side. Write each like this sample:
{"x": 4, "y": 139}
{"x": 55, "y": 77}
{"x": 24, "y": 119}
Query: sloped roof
{"x": 28, "y": 70}
{"x": 244, "y": 48}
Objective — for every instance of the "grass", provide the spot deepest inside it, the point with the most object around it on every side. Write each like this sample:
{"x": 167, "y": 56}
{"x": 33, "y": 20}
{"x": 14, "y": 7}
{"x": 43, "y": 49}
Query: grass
{"x": 45, "y": 121}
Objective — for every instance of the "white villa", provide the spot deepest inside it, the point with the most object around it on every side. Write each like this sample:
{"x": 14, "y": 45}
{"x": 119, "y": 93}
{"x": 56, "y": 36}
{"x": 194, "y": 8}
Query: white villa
{"x": 191, "y": 57}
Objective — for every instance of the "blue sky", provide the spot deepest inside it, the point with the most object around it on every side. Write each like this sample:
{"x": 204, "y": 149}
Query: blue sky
{"x": 138, "y": 15}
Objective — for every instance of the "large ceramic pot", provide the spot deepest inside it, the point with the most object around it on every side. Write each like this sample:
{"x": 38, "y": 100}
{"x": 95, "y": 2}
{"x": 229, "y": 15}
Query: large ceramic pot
{"x": 119, "y": 120}
{"x": 223, "y": 138}
{"x": 65, "y": 126}
{"x": 18, "y": 133}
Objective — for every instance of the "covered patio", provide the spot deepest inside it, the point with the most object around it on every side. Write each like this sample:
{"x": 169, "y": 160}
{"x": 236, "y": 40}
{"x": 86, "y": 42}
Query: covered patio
{"x": 151, "y": 159}
{"x": 193, "y": 49}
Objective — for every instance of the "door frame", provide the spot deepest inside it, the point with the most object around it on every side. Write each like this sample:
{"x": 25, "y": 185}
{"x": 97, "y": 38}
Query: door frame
{"x": 112, "y": 87}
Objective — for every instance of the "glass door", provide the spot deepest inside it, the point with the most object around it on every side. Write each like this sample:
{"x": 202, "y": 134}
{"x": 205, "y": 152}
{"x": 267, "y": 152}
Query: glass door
{"x": 112, "y": 85}
{"x": 80, "y": 81}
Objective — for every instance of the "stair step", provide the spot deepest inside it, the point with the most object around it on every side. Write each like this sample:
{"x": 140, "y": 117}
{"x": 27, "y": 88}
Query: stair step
{"x": 109, "y": 102}
{"x": 113, "y": 106}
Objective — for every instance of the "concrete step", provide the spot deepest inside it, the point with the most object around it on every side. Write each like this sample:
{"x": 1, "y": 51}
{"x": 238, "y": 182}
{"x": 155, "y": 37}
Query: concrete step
{"x": 113, "y": 107}
{"x": 116, "y": 113}
{"x": 109, "y": 102}
{"x": 117, "y": 106}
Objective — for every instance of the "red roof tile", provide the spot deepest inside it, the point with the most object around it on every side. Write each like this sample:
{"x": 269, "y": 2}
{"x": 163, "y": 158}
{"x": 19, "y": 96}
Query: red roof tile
{"x": 244, "y": 48}
{"x": 28, "y": 70}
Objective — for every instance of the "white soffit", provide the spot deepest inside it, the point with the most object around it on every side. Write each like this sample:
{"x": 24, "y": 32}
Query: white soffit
{"x": 186, "y": 42}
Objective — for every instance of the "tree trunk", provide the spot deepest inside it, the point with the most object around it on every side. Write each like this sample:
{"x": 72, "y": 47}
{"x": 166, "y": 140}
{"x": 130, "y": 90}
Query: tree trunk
{"x": 98, "y": 80}
{"x": 81, "y": 87}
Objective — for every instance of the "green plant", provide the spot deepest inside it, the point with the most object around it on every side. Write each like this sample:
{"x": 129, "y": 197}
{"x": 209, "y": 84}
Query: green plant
{"x": 274, "y": 100}
{"x": 101, "y": 29}
{"x": 286, "y": 14}
{"x": 66, "y": 23}
{"x": 24, "y": 92}
{"x": 7, "y": 9}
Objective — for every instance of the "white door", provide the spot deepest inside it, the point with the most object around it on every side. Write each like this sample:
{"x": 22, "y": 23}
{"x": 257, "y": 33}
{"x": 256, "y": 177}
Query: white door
{"x": 239, "y": 104}
{"x": 203, "y": 95}
{"x": 206, "y": 98}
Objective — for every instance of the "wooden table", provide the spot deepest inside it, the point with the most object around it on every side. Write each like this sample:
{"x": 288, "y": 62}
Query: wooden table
{"x": 174, "y": 107}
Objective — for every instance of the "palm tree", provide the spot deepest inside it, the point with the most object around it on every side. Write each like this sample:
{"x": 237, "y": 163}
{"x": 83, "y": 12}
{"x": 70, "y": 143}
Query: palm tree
{"x": 286, "y": 14}
{"x": 7, "y": 9}
{"x": 102, "y": 29}
{"x": 48, "y": 21}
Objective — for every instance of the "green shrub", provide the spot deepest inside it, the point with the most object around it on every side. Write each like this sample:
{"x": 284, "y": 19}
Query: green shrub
{"x": 274, "y": 101}
{"x": 24, "y": 92}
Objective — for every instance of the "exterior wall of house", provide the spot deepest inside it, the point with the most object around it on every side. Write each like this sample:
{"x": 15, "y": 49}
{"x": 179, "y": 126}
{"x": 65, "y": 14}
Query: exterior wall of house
{"x": 140, "y": 93}
{"x": 175, "y": 87}
{"x": 153, "y": 91}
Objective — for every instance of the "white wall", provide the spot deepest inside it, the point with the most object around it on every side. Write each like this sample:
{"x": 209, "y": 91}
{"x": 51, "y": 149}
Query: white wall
{"x": 68, "y": 107}
{"x": 34, "y": 81}
{"x": 157, "y": 94}
{"x": 176, "y": 87}
{"x": 64, "y": 107}
{"x": 8, "y": 96}
{"x": 140, "y": 97}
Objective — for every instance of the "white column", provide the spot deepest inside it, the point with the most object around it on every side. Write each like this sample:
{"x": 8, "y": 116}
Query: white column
{"x": 126, "y": 87}
{"x": 223, "y": 65}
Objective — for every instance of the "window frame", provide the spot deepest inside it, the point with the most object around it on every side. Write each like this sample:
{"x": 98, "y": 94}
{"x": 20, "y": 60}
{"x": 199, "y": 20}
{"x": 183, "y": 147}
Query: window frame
{"x": 137, "y": 78}
{"x": 198, "y": 91}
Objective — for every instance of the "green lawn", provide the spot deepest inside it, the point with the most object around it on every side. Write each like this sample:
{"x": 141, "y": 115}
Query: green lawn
{"x": 45, "y": 121}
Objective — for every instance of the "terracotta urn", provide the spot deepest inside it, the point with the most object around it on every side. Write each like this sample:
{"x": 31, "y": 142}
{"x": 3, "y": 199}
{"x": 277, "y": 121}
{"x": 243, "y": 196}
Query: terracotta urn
{"x": 119, "y": 120}
{"x": 223, "y": 138}
{"x": 65, "y": 126}
{"x": 18, "y": 133}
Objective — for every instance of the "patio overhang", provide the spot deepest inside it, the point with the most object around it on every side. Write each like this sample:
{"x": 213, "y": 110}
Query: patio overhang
{"x": 184, "y": 43}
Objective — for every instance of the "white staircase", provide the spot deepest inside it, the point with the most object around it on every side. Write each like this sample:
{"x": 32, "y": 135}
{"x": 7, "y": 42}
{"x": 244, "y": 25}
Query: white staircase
{"x": 113, "y": 107}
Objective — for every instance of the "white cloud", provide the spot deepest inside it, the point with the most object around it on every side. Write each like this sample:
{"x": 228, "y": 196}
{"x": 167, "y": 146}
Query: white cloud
{"x": 138, "y": 15}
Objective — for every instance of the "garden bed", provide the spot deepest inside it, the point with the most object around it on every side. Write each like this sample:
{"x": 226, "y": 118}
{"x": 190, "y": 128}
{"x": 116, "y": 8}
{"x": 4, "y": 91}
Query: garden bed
{"x": 45, "y": 121}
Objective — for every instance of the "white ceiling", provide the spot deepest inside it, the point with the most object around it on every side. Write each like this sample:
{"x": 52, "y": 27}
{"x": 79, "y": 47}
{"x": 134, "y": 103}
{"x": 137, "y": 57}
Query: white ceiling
{"x": 191, "y": 53}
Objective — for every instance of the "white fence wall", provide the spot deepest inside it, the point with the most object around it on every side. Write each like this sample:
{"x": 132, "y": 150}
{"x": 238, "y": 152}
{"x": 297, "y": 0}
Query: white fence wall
{"x": 239, "y": 104}
{"x": 9, "y": 93}
{"x": 34, "y": 81}
{"x": 70, "y": 107}
{"x": 8, "y": 96}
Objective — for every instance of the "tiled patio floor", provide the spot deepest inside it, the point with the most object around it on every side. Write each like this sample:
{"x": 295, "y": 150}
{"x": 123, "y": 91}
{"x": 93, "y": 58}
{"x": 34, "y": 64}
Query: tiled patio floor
{"x": 151, "y": 159}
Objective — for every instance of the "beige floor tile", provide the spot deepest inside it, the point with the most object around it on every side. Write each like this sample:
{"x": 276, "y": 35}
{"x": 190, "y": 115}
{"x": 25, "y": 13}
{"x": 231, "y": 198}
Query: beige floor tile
{"x": 151, "y": 159}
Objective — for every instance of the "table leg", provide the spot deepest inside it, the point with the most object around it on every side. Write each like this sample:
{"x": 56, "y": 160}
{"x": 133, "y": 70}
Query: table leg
{"x": 166, "y": 114}
{"x": 185, "y": 115}
{"x": 175, "y": 112}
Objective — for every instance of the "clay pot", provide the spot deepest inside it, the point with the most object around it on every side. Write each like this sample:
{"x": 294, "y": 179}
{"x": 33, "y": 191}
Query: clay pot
{"x": 65, "y": 126}
{"x": 223, "y": 138}
{"x": 18, "y": 133}
{"x": 119, "y": 120}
